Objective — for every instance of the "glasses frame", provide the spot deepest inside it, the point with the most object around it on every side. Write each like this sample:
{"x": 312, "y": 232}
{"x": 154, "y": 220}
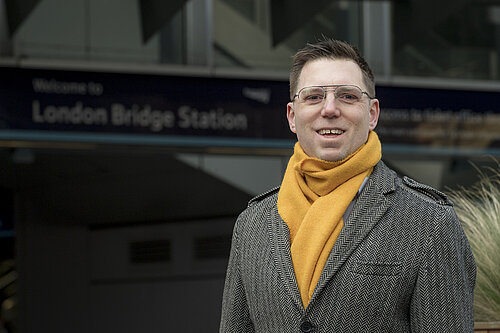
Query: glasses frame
{"x": 334, "y": 86}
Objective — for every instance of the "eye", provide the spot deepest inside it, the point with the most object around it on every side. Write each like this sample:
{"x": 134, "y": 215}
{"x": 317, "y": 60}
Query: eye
{"x": 314, "y": 97}
{"x": 348, "y": 97}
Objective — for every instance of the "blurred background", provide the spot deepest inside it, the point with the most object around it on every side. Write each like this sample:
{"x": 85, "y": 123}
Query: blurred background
{"x": 133, "y": 132}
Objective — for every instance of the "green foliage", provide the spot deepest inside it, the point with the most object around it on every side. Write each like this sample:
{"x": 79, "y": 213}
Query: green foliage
{"x": 478, "y": 208}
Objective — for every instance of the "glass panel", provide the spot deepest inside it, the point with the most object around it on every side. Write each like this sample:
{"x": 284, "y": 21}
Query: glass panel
{"x": 339, "y": 20}
{"x": 95, "y": 30}
{"x": 246, "y": 8}
{"x": 251, "y": 46}
{"x": 459, "y": 39}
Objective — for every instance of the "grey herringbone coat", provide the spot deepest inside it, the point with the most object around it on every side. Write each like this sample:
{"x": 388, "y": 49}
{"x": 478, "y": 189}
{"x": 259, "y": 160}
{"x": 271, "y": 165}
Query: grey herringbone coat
{"x": 401, "y": 264}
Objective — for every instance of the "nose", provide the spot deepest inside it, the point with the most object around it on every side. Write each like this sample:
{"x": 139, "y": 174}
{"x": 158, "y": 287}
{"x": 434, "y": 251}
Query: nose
{"x": 330, "y": 106}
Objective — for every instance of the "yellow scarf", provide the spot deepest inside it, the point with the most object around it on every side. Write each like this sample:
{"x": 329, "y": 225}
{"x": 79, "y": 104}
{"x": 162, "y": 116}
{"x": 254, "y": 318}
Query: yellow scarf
{"x": 312, "y": 199}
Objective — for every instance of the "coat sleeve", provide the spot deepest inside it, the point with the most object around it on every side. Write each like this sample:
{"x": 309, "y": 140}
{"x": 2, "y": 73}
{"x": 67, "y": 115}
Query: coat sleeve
{"x": 235, "y": 312}
{"x": 444, "y": 292}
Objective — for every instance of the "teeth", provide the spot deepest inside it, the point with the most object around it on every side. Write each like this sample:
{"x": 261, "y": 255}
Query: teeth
{"x": 328, "y": 131}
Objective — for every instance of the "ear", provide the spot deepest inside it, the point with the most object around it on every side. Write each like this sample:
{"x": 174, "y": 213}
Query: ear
{"x": 290, "y": 115}
{"x": 374, "y": 114}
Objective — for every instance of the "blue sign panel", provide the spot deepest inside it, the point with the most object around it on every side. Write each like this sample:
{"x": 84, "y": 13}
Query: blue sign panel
{"x": 77, "y": 106}
{"x": 133, "y": 108}
{"x": 439, "y": 120}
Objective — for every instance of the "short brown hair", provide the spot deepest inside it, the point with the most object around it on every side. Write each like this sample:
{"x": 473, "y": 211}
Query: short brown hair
{"x": 330, "y": 49}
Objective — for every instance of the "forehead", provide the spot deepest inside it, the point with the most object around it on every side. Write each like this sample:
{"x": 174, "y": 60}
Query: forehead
{"x": 330, "y": 72}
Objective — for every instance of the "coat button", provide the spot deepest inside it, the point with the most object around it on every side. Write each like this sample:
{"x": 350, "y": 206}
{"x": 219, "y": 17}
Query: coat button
{"x": 306, "y": 327}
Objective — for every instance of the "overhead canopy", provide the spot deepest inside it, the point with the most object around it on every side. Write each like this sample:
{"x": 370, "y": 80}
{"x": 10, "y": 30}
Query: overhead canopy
{"x": 17, "y": 12}
{"x": 156, "y": 13}
{"x": 289, "y": 15}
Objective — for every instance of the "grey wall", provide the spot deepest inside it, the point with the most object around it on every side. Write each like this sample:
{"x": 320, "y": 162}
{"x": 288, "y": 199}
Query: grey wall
{"x": 78, "y": 212}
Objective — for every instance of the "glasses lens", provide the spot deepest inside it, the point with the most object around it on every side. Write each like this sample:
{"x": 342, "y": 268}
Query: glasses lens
{"x": 348, "y": 94}
{"x": 311, "y": 95}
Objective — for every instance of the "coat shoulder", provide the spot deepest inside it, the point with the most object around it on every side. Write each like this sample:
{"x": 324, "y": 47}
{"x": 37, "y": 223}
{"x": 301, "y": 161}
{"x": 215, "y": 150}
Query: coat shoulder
{"x": 263, "y": 196}
{"x": 428, "y": 192}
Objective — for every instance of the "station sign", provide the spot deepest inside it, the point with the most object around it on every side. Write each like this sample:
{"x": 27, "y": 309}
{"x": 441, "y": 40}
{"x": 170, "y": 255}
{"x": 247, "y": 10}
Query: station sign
{"x": 143, "y": 109}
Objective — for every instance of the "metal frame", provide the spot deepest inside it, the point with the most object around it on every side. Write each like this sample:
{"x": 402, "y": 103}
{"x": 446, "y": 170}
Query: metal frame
{"x": 5, "y": 40}
{"x": 377, "y": 44}
{"x": 199, "y": 32}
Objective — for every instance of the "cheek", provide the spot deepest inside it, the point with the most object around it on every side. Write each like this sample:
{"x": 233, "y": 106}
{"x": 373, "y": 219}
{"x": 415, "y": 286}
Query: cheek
{"x": 299, "y": 122}
{"x": 363, "y": 121}
{"x": 304, "y": 120}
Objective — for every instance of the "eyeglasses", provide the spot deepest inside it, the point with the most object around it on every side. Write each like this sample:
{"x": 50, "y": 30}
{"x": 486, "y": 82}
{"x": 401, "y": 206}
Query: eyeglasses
{"x": 346, "y": 94}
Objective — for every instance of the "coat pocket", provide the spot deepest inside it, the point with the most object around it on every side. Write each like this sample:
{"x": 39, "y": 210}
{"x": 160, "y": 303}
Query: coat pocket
{"x": 376, "y": 268}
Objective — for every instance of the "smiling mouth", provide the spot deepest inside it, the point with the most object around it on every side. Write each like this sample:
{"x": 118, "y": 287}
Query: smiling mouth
{"x": 330, "y": 132}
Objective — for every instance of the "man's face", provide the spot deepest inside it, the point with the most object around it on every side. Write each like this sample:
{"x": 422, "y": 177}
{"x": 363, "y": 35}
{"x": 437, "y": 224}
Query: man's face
{"x": 331, "y": 130}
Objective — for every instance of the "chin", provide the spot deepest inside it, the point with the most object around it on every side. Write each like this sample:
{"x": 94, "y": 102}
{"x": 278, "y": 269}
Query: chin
{"x": 332, "y": 157}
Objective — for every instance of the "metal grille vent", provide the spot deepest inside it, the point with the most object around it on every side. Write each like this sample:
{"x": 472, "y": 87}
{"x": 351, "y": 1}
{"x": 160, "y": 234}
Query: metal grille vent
{"x": 150, "y": 251}
{"x": 216, "y": 247}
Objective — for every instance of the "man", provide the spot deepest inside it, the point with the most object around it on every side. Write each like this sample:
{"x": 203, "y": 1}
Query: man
{"x": 345, "y": 245}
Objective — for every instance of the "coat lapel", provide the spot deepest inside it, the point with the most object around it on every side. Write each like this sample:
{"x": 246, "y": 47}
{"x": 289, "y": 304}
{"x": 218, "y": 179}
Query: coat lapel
{"x": 368, "y": 210}
{"x": 280, "y": 235}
